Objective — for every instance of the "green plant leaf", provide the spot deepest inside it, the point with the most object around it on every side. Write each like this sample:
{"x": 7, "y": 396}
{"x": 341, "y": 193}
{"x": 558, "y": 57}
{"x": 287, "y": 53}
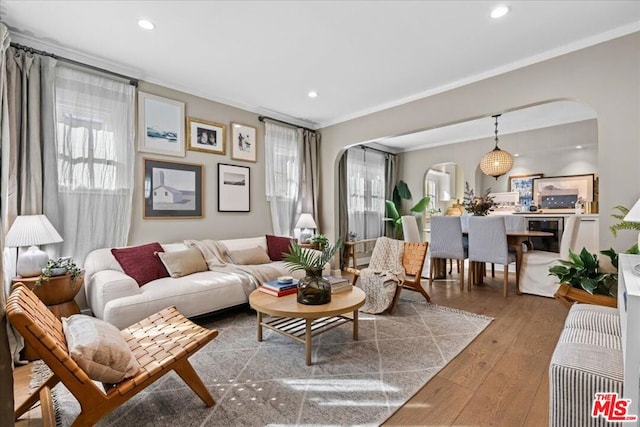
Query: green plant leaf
{"x": 403, "y": 190}
{"x": 421, "y": 205}
{"x": 392, "y": 211}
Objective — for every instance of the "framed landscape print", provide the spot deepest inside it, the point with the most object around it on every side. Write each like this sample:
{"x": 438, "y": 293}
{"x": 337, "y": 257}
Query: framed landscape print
{"x": 208, "y": 137}
{"x": 523, "y": 184}
{"x": 172, "y": 190}
{"x": 160, "y": 125}
{"x": 562, "y": 192}
{"x": 244, "y": 144}
{"x": 233, "y": 188}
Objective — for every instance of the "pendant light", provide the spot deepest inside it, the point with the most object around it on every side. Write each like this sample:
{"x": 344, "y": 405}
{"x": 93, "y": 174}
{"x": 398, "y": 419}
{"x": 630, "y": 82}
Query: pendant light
{"x": 496, "y": 162}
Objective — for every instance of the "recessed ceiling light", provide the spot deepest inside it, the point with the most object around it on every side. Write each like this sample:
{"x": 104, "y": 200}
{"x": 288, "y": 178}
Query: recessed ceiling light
{"x": 146, "y": 24}
{"x": 578, "y": 146}
{"x": 499, "y": 11}
{"x": 516, "y": 155}
{"x": 312, "y": 94}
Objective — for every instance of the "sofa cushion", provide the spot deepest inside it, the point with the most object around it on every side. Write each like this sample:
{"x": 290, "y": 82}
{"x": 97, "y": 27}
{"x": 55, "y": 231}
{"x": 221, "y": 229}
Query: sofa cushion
{"x": 277, "y": 245}
{"x": 99, "y": 349}
{"x": 182, "y": 263}
{"x": 140, "y": 262}
{"x": 251, "y": 256}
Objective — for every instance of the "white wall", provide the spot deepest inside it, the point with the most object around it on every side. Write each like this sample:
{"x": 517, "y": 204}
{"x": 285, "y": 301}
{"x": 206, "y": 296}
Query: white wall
{"x": 214, "y": 224}
{"x": 605, "y": 76}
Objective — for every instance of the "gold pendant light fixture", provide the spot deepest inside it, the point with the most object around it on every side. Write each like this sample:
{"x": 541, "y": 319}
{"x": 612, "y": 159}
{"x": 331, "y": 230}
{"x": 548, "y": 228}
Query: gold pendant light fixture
{"x": 496, "y": 162}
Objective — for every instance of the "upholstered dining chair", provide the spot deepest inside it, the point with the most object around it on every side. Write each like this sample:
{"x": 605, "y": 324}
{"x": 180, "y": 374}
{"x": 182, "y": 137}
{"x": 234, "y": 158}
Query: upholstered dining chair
{"x": 410, "y": 229}
{"x": 535, "y": 264}
{"x": 161, "y": 343}
{"x": 446, "y": 243}
{"x": 488, "y": 243}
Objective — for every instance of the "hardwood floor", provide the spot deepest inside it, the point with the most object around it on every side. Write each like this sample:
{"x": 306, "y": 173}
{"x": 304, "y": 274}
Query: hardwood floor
{"x": 500, "y": 379}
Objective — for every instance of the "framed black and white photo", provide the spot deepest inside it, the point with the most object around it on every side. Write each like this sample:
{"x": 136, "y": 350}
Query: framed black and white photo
{"x": 172, "y": 190}
{"x": 161, "y": 125}
{"x": 233, "y": 188}
{"x": 244, "y": 145}
{"x": 205, "y": 136}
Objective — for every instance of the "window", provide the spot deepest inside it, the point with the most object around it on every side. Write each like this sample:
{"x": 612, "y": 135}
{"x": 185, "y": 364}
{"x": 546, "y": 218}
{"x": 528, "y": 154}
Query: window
{"x": 366, "y": 190}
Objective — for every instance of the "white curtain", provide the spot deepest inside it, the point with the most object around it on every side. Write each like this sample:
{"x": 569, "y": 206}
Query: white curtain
{"x": 366, "y": 192}
{"x": 283, "y": 171}
{"x": 95, "y": 162}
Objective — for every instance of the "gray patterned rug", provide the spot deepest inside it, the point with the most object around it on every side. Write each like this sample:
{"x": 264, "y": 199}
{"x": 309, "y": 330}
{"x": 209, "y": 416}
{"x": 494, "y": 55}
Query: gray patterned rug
{"x": 268, "y": 384}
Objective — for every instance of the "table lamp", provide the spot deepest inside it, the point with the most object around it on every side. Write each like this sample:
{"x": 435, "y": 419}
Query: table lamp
{"x": 634, "y": 216}
{"x": 31, "y": 230}
{"x": 305, "y": 222}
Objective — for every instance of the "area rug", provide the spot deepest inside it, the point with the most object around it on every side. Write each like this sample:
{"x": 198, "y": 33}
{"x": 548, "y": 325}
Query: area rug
{"x": 268, "y": 384}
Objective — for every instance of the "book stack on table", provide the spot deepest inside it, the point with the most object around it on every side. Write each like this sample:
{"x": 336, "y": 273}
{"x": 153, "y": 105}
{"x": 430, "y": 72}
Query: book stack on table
{"x": 280, "y": 288}
{"x": 339, "y": 284}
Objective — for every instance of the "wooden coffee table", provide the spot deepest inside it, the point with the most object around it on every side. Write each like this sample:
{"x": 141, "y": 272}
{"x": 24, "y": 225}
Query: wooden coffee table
{"x": 302, "y": 322}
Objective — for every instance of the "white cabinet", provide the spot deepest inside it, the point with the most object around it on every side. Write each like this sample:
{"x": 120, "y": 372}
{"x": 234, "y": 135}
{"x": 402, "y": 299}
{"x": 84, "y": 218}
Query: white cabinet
{"x": 588, "y": 234}
{"x": 629, "y": 309}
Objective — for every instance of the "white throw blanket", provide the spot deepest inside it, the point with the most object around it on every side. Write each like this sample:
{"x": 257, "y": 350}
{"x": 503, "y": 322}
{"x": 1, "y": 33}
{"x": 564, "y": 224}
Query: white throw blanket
{"x": 385, "y": 273}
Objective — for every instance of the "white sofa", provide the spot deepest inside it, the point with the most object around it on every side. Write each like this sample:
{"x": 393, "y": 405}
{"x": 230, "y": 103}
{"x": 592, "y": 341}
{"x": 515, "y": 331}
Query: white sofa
{"x": 116, "y": 298}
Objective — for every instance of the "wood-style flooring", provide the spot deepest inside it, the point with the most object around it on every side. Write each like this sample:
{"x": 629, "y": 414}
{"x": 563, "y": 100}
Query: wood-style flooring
{"x": 500, "y": 379}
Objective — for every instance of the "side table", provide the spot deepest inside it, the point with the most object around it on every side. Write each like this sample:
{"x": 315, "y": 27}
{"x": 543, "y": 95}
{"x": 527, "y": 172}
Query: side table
{"x": 57, "y": 294}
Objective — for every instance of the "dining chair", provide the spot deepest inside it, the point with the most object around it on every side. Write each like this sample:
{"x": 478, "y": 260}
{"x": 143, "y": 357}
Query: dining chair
{"x": 535, "y": 278}
{"x": 410, "y": 229}
{"x": 446, "y": 243}
{"x": 488, "y": 244}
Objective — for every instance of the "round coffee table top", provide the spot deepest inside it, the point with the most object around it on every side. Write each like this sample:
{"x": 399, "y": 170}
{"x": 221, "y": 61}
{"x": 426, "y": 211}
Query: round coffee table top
{"x": 288, "y": 306}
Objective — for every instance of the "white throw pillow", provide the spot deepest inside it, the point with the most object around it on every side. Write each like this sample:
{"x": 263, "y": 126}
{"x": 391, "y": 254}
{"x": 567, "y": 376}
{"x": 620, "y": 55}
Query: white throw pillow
{"x": 99, "y": 349}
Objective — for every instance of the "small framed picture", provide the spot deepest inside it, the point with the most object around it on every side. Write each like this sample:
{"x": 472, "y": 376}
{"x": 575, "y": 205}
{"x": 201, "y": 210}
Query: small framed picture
{"x": 244, "y": 145}
{"x": 172, "y": 190}
{"x": 161, "y": 125}
{"x": 523, "y": 184}
{"x": 208, "y": 137}
{"x": 233, "y": 188}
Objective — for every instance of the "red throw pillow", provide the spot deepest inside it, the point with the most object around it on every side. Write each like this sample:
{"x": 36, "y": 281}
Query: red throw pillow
{"x": 141, "y": 262}
{"x": 277, "y": 245}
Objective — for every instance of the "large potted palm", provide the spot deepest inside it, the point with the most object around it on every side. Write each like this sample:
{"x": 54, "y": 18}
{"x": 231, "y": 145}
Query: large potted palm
{"x": 313, "y": 289}
{"x": 394, "y": 207}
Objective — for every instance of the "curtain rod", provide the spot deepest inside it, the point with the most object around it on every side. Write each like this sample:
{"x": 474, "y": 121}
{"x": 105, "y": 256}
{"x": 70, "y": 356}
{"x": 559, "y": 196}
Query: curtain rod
{"x": 263, "y": 118}
{"x": 365, "y": 147}
{"x": 132, "y": 81}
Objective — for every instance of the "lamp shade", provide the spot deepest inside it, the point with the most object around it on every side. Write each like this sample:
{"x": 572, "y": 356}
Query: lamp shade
{"x": 496, "y": 163}
{"x": 634, "y": 213}
{"x": 306, "y": 221}
{"x": 31, "y": 230}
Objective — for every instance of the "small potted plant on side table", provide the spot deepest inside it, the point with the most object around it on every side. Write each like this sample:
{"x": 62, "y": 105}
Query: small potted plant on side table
{"x": 59, "y": 283}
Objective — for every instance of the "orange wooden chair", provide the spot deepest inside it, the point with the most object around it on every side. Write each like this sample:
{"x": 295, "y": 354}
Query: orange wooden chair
{"x": 162, "y": 342}
{"x": 413, "y": 258}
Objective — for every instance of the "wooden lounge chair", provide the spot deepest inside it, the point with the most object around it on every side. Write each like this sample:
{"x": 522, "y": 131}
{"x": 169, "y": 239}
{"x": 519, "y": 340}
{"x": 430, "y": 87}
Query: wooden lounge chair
{"x": 161, "y": 343}
{"x": 413, "y": 258}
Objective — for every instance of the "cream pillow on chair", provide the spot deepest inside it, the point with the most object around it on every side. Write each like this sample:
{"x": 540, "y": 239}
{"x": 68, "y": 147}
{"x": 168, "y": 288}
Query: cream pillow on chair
{"x": 99, "y": 349}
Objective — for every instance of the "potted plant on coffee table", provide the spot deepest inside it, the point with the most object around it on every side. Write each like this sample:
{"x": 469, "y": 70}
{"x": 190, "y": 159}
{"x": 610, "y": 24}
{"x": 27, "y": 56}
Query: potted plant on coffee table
{"x": 313, "y": 289}
{"x": 581, "y": 280}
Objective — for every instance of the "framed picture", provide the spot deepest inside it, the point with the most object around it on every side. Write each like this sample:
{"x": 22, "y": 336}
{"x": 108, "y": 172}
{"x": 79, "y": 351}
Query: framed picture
{"x": 160, "y": 125}
{"x": 244, "y": 145}
{"x": 233, "y": 188}
{"x": 172, "y": 190}
{"x": 562, "y": 192}
{"x": 208, "y": 137}
{"x": 523, "y": 184}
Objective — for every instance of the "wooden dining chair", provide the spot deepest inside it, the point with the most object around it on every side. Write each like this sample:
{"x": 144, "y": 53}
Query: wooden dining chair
{"x": 161, "y": 343}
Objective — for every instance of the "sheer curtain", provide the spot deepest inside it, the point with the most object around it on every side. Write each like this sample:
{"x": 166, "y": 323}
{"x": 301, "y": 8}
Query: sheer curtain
{"x": 95, "y": 156}
{"x": 366, "y": 192}
{"x": 283, "y": 171}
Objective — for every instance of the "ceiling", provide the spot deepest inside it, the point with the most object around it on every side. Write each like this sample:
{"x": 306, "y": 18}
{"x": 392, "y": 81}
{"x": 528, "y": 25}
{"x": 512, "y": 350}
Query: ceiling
{"x": 360, "y": 56}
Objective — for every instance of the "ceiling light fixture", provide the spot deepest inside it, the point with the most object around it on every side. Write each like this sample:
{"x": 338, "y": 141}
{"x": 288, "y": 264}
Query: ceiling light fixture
{"x": 516, "y": 155}
{"x": 578, "y": 146}
{"x": 312, "y": 94}
{"x": 499, "y": 11}
{"x": 496, "y": 162}
{"x": 146, "y": 24}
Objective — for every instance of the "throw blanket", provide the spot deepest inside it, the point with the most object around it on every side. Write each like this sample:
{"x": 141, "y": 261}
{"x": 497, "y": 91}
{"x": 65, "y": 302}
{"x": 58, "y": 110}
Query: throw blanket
{"x": 384, "y": 274}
